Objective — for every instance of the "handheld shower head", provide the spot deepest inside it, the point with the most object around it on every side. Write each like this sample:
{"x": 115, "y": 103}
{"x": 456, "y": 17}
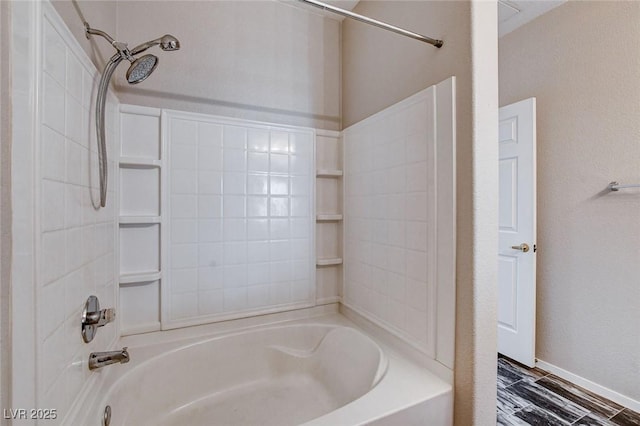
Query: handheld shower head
{"x": 141, "y": 68}
{"x": 169, "y": 43}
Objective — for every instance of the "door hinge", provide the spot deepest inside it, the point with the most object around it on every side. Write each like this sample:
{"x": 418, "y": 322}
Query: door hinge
{"x": 535, "y": 248}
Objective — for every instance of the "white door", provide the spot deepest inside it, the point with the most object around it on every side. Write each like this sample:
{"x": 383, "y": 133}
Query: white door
{"x": 517, "y": 242}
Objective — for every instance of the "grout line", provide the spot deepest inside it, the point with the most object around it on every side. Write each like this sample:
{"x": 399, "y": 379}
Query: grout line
{"x": 581, "y": 418}
{"x": 621, "y": 410}
{"x": 589, "y": 412}
{"x": 546, "y": 375}
{"x": 517, "y": 381}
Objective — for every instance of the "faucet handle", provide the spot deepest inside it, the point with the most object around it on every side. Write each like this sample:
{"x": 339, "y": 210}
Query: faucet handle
{"x": 106, "y": 316}
{"x": 93, "y": 317}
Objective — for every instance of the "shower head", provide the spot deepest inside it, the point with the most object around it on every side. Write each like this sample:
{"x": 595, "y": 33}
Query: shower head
{"x": 167, "y": 43}
{"x": 138, "y": 71}
{"x": 141, "y": 68}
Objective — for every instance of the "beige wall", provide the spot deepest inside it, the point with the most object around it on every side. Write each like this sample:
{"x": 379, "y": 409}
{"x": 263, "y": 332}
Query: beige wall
{"x": 258, "y": 60}
{"x": 582, "y": 63}
{"x": 100, "y": 15}
{"x": 5, "y": 207}
{"x": 380, "y": 69}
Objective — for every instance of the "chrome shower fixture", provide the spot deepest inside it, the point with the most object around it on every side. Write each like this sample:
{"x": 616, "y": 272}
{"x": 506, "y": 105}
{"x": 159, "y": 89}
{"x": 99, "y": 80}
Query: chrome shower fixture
{"x": 141, "y": 68}
{"x": 138, "y": 71}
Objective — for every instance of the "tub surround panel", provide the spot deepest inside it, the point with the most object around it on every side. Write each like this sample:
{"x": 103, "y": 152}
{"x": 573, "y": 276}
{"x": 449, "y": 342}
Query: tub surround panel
{"x": 240, "y": 206}
{"x": 195, "y": 186}
{"x": 74, "y": 252}
{"x": 77, "y": 253}
{"x": 398, "y": 243}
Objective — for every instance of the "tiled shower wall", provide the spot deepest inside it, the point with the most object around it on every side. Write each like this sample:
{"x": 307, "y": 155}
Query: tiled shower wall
{"x": 241, "y": 218}
{"x": 74, "y": 250}
{"x": 216, "y": 219}
{"x": 399, "y": 229}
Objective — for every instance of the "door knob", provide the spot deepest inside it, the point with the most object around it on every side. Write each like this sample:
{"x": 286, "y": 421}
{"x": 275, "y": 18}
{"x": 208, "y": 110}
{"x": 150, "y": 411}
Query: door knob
{"x": 524, "y": 247}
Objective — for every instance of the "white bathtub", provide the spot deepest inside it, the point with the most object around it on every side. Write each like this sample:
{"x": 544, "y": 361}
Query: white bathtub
{"x": 315, "y": 371}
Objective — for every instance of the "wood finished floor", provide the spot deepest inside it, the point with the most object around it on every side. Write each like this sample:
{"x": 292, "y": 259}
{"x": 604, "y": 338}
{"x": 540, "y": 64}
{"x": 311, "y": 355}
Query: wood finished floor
{"x": 530, "y": 396}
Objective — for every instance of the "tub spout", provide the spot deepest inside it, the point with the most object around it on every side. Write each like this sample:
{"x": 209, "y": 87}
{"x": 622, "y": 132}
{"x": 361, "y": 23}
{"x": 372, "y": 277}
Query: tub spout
{"x": 101, "y": 359}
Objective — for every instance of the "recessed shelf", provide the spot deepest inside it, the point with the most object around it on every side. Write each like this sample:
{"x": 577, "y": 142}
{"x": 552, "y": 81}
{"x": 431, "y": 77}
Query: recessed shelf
{"x": 140, "y": 277}
{"x": 328, "y": 218}
{"x": 139, "y": 162}
{"x": 329, "y": 261}
{"x": 142, "y": 220}
{"x": 329, "y": 173}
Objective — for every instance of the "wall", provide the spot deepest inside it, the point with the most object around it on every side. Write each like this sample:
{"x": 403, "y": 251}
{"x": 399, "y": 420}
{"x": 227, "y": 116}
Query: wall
{"x": 399, "y": 227}
{"x": 5, "y": 206}
{"x": 63, "y": 248}
{"x": 100, "y": 15}
{"x": 373, "y": 80}
{"x": 236, "y": 217}
{"x": 261, "y": 60}
{"x": 588, "y": 321}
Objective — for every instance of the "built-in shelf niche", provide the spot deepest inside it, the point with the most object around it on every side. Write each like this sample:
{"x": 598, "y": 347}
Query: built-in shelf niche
{"x": 330, "y": 261}
{"x": 131, "y": 220}
{"x": 141, "y": 219}
{"x": 140, "y": 317}
{"x": 139, "y": 248}
{"x": 330, "y": 174}
{"x": 328, "y": 217}
{"x": 139, "y": 190}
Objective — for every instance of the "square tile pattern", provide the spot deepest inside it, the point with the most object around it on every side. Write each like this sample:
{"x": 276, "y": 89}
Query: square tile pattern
{"x": 530, "y": 396}
{"x": 75, "y": 242}
{"x": 390, "y": 220}
{"x": 241, "y": 212}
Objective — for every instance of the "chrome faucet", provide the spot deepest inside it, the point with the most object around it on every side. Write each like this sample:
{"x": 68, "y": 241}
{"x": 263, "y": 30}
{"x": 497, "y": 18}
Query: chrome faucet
{"x": 101, "y": 359}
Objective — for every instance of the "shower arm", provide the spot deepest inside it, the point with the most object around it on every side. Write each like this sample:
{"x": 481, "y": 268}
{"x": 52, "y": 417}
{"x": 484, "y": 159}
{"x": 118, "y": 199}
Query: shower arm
{"x": 122, "y": 48}
{"x": 88, "y": 32}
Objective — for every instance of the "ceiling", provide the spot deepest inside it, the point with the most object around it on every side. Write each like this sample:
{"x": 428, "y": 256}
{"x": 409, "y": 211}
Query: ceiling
{"x": 513, "y": 14}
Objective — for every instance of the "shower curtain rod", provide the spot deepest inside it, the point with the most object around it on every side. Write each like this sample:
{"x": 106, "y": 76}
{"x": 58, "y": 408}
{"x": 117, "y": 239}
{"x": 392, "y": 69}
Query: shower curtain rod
{"x": 374, "y": 22}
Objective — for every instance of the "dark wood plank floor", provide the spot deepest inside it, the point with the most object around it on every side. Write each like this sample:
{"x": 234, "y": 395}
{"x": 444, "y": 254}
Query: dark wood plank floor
{"x": 530, "y": 396}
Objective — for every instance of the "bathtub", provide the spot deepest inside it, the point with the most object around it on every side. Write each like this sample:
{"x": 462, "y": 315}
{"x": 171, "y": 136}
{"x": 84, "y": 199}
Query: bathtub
{"x": 316, "y": 371}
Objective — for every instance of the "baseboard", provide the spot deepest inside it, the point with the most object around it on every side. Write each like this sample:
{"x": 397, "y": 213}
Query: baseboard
{"x": 589, "y": 385}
